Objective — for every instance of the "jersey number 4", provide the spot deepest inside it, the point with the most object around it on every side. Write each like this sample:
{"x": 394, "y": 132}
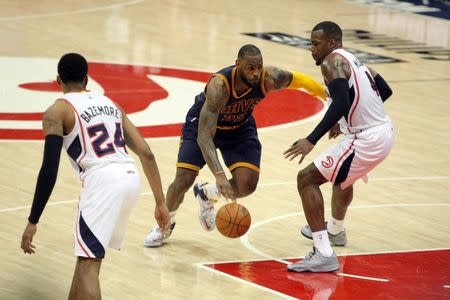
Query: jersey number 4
{"x": 100, "y": 135}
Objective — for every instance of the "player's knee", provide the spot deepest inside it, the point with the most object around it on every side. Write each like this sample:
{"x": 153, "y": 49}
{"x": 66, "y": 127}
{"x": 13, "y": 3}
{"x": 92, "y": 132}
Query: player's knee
{"x": 303, "y": 180}
{"x": 247, "y": 185}
{"x": 252, "y": 184}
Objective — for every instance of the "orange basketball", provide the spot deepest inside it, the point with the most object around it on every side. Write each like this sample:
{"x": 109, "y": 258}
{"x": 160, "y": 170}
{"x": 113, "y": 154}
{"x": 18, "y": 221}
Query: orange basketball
{"x": 233, "y": 220}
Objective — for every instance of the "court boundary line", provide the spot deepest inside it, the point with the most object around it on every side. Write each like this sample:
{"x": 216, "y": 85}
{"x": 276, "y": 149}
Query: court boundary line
{"x": 348, "y": 254}
{"x": 203, "y": 266}
{"x": 75, "y": 12}
{"x": 268, "y": 184}
{"x": 247, "y": 244}
{"x": 260, "y": 287}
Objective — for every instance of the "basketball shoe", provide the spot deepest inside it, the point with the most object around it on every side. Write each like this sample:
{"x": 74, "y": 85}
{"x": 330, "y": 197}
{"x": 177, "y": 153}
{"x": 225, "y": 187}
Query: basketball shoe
{"x": 315, "y": 262}
{"x": 206, "y": 212}
{"x": 156, "y": 237}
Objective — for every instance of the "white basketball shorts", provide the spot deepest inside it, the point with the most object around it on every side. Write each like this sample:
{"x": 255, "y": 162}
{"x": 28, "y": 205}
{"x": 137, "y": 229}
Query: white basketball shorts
{"x": 107, "y": 199}
{"x": 355, "y": 155}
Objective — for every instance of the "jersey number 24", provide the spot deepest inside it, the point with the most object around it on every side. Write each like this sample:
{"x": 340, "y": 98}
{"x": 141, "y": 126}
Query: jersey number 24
{"x": 100, "y": 135}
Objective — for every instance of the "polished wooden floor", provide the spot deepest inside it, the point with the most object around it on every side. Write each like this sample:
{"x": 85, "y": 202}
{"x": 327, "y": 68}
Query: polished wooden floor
{"x": 405, "y": 206}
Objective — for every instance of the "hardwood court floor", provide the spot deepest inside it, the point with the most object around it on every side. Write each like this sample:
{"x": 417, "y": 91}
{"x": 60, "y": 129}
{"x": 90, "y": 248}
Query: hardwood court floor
{"x": 404, "y": 207}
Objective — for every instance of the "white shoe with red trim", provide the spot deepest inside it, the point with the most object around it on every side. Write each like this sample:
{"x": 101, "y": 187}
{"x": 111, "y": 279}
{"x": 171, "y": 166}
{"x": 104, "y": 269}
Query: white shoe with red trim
{"x": 206, "y": 212}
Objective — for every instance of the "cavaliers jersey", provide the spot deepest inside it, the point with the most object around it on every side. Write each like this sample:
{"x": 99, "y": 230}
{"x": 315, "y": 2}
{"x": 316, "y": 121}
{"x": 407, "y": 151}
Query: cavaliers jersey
{"x": 96, "y": 138}
{"x": 238, "y": 109}
{"x": 367, "y": 109}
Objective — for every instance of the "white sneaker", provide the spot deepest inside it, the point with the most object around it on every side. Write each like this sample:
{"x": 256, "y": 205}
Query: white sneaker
{"x": 315, "y": 262}
{"x": 206, "y": 212}
{"x": 156, "y": 237}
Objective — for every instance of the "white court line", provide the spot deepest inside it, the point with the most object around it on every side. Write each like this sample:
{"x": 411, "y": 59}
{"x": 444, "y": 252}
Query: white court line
{"x": 73, "y": 12}
{"x": 363, "y": 277}
{"x": 412, "y": 178}
{"x": 200, "y": 266}
{"x": 53, "y": 203}
{"x": 348, "y": 254}
{"x": 245, "y": 241}
{"x": 249, "y": 246}
{"x": 268, "y": 184}
{"x": 447, "y": 286}
{"x": 389, "y": 252}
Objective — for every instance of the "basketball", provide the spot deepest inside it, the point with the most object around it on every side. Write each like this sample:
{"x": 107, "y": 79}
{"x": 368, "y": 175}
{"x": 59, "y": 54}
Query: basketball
{"x": 233, "y": 220}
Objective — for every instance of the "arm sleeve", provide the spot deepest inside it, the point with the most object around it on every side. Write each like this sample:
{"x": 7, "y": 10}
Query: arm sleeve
{"x": 47, "y": 176}
{"x": 383, "y": 87}
{"x": 303, "y": 81}
{"x": 340, "y": 106}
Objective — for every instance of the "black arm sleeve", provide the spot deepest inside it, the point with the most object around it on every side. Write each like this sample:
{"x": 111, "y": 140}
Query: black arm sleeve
{"x": 383, "y": 87}
{"x": 47, "y": 176}
{"x": 340, "y": 106}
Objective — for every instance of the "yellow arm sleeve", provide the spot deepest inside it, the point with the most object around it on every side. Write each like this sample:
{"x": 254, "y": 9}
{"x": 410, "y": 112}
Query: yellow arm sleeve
{"x": 302, "y": 81}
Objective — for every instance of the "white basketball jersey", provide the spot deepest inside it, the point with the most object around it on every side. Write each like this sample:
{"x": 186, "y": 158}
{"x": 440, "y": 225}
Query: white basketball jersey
{"x": 367, "y": 108}
{"x": 97, "y": 136}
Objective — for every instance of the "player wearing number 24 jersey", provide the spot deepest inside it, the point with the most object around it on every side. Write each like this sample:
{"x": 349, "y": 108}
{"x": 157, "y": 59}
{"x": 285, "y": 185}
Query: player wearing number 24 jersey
{"x": 95, "y": 132}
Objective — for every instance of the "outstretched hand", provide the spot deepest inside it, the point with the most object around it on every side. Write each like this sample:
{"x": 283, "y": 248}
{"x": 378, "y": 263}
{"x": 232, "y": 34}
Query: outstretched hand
{"x": 27, "y": 238}
{"x": 301, "y": 147}
{"x": 162, "y": 216}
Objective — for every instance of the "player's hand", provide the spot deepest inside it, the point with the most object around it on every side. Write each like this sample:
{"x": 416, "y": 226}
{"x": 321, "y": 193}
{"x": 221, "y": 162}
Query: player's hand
{"x": 224, "y": 187}
{"x": 27, "y": 238}
{"x": 301, "y": 147}
{"x": 335, "y": 131}
{"x": 162, "y": 216}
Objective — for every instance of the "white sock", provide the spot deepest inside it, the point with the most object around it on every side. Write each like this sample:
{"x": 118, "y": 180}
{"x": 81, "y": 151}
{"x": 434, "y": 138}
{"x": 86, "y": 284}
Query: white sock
{"x": 322, "y": 243}
{"x": 335, "y": 226}
{"x": 211, "y": 191}
{"x": 172, "y": 216}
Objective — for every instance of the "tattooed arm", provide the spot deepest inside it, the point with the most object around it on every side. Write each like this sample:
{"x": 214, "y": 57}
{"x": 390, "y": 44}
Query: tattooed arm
{"x": 278, "y": 79}
{"x": 216, "y": 98}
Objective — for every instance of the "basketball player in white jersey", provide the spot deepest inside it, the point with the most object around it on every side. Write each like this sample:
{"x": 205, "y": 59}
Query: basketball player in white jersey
{"x": 95, "y": 132}
{"x": 356, "y": 94}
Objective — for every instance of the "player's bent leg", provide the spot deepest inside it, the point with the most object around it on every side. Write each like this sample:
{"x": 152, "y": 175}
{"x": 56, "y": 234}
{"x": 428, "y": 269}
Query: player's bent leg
{"x": 184, "y": 179}
{"x": 308, "y": 182}
{"x": 244, "y": 181}
{"x": 87, "y": 278}
{"x": 322, "y": 258}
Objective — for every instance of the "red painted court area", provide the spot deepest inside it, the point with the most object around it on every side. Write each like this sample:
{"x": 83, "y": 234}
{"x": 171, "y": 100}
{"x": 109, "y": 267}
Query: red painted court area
{"x": 407, "y": 275}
